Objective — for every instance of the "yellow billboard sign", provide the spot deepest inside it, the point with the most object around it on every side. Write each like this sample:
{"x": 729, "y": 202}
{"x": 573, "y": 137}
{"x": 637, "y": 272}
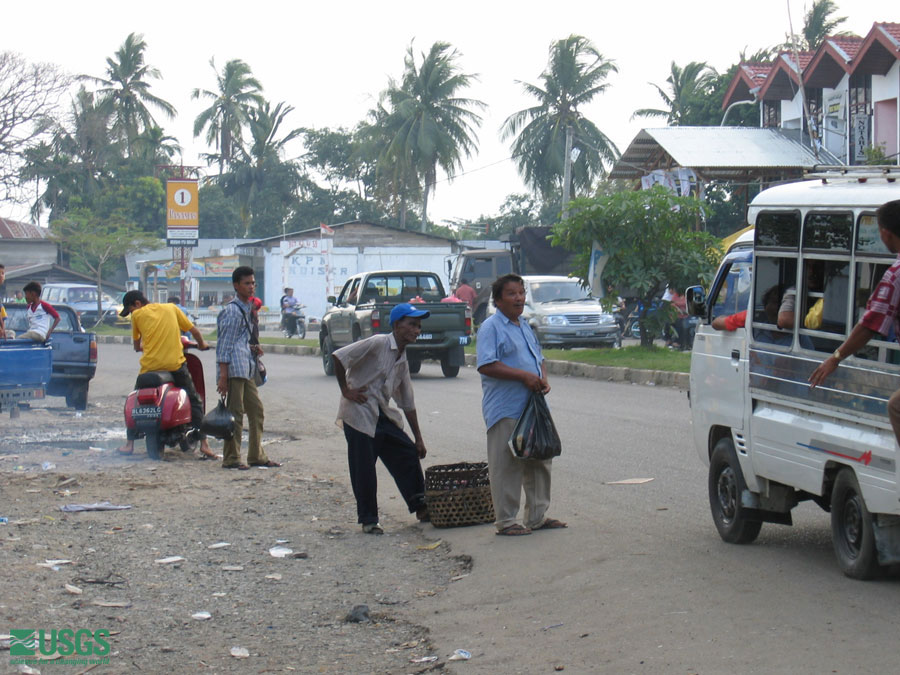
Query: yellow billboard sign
{"x": 182, "y": 213}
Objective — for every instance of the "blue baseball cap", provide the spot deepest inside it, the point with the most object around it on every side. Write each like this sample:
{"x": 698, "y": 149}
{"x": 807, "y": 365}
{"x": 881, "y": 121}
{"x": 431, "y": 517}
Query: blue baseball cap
{"x": 406, "y": 309}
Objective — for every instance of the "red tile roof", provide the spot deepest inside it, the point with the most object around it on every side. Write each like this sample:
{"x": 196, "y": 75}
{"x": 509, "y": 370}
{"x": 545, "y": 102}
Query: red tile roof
{"x": 13, "y": 229}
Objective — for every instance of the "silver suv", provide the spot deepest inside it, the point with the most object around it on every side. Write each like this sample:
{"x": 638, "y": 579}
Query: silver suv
{"x": 563, "y": 314}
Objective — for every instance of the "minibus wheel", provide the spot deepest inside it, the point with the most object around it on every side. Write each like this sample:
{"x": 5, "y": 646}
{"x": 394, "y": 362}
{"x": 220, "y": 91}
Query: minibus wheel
{"x": 726, "y": 483}
{"x": 851, "y": 528}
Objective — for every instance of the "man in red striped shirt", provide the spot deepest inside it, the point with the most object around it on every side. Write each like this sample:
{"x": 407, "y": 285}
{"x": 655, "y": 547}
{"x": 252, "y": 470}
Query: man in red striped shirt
{"x": 39, "y": 314}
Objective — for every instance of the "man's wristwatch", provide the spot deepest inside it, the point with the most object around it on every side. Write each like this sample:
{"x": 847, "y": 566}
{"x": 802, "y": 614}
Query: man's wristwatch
{"x": 837, "y": 355}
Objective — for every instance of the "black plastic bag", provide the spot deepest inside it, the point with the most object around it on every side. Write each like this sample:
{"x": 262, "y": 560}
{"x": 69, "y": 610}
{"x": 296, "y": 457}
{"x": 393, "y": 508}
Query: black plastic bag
{"x": 218, "y": 422}
{"x": 534, "y": 436}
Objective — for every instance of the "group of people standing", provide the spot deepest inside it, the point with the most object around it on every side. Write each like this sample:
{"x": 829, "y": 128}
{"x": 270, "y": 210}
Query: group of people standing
{"x": 371, "y": 374}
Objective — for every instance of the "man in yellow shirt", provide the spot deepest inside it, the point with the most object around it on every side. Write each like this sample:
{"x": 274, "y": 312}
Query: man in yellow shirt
{"x": 156, "y": 330}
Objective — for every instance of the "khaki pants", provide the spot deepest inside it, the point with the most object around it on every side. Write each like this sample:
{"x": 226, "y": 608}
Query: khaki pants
{"x": 510, "y": 474}
{"x": 243, "y": 397}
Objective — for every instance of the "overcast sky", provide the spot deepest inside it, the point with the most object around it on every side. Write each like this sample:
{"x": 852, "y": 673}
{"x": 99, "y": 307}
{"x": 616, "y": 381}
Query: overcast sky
{"x": 330, "y": 60}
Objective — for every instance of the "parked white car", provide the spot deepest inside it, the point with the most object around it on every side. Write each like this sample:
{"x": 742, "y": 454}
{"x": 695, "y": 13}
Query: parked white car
{"x": 563, "y": 313}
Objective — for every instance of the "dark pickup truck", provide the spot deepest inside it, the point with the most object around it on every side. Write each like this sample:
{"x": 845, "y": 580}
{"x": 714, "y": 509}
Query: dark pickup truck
{"x": 74, "y": 353}
{"x": 364, "y": 306}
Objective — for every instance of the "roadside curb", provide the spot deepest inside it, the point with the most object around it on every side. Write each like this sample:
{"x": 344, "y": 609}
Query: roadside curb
{"x": 661, "y": 378}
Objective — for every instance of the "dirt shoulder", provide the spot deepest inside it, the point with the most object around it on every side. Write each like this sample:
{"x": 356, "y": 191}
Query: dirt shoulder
{"x": 288, "y": 613}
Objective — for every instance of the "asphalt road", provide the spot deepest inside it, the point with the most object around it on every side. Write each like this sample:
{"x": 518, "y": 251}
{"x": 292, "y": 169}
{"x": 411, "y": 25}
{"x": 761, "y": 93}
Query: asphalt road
{"x": 640, "y": 582}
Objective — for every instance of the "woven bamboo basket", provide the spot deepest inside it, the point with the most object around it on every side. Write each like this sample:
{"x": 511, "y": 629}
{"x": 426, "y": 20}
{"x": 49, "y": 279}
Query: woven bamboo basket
{"x": 459, "y": 494}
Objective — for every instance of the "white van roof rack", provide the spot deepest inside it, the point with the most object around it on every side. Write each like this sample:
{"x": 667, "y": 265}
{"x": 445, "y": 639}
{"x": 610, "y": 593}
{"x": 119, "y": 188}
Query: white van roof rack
{"x": 860, "y": 174}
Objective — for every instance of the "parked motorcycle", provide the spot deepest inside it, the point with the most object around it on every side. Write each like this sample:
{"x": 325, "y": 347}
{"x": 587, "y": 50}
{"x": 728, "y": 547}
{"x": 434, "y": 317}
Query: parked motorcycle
{"x": 160, "y": 412}
{"x": 293, "y": 322}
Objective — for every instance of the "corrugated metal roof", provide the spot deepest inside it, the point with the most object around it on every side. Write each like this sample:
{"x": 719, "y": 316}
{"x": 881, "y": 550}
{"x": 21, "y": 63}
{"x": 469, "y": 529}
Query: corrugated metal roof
{"x": 13, "y": 229}
{"x": 715, "y": 151}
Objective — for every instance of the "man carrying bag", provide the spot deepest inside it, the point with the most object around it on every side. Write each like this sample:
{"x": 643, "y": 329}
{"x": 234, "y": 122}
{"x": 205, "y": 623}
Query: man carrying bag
{"x": 511, "y": 367}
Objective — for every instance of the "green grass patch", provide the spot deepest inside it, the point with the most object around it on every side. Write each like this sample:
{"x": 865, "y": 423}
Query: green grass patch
{"x": 289, "y": 341}
{"x": 643, "y": 358}
{"x": 654, "y": 358}
{"x": 106, "y": 329}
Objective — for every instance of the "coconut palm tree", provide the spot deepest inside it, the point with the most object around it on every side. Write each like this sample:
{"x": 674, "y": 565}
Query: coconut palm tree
{"x": 429, "y": 123}
{"x": 686, "y": 87}
{"x": 576, "y": 73}
{"x": 237, "y": 91}
{"x": 125, "y": 91}
{"x": 260, "y": 166}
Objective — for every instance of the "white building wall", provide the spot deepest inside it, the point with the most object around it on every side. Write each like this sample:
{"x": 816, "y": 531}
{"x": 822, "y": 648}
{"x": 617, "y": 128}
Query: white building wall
{"x": 315, "y": 269}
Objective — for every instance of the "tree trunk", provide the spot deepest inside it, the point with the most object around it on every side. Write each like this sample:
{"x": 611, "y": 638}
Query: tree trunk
{"x": 424, "y": 208}
{"x": 403, "y": 212}
{"x": 99, "y": 294}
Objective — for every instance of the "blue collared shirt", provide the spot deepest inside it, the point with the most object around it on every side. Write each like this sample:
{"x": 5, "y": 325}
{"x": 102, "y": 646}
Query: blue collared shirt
{"x": 233, "y": 341}
{"x": 499, "y": 339}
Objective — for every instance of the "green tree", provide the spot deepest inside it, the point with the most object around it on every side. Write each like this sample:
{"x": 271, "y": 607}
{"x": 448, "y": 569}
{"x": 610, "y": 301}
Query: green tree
{"x": 575, "y": 75}
{"x": 429, "y": 124}
{"x": 263, "y": 184}
{"x": 649, "y": 237}
{"x": 341, "y": 158}
{"x": 684, "y": 98}
{"x": 97, "y": 243}
{"x": 219, "y": 216}
{"x": 77, "y": 160}
{"x": 236, "y": 92}
{"x": 125, "y": 91}
{"x": 818, "y": 23}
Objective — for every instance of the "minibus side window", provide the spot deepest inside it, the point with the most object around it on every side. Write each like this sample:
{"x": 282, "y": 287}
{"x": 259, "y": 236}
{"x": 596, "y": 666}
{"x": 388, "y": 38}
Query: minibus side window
{"x": 733, "y": 292}
{"x": 777, "y": 230}
{"x": 873, "y": 259}
{"x": 828, "y": 232}
{"x": 775, "y": 277}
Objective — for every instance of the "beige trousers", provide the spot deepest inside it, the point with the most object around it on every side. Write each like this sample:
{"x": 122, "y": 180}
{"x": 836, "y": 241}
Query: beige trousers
{"x": 509, "y": 475}
{"x": 243, "y": 397}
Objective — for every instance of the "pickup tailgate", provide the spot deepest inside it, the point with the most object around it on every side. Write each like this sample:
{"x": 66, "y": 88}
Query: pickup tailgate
{"x": 446, "y": 317}
{"x": 24, "y": 369}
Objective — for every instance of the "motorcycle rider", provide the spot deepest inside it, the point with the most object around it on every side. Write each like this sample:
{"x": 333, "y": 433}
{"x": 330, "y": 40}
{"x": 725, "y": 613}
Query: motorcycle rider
{"x": 156, "y": 330}
{"x": 290, "y": 307}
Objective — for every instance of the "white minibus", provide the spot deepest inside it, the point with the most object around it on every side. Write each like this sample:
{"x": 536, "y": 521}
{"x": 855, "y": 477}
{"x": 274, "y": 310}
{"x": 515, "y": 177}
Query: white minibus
{"x": 803, "y": 275}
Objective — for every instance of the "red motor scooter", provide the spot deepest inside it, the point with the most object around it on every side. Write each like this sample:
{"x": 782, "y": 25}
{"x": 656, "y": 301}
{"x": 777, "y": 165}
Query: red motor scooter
{"x": 161, "y": 412}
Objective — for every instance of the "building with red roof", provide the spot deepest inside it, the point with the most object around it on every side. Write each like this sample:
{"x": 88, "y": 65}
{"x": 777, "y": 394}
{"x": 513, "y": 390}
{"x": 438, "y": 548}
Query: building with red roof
{"x": 844, "y": 95}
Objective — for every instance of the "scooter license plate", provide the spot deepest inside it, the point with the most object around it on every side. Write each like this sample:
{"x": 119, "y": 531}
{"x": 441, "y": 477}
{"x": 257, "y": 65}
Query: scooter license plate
{"x": 145, "y": 412}
{"x": 426, "y": 336}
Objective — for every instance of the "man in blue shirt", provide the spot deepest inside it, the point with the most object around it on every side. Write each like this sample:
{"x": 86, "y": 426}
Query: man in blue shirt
{"x": 511, "y": 367}
{"x": 237, "y": 364}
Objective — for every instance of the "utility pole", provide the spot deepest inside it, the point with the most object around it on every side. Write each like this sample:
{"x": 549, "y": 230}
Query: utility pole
{"x": 567, "y": 170}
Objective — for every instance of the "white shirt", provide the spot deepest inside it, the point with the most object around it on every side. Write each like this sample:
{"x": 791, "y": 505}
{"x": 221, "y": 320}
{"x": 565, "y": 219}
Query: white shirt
{"x": 373, "y": 363}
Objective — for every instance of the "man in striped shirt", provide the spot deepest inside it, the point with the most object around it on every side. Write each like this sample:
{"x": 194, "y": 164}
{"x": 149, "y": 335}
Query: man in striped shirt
{"x": 882, "y": 310}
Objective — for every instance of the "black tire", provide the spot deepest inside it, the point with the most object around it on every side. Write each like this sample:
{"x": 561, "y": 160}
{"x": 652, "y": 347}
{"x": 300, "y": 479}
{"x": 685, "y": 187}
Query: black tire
{"x": 155, "y": 446}
{"x": 327, "y": 358}
{"x": 851, "y": 528}
{"x": 301, "y": 330}
{"x": 726, "y": 483}
{"x": 357, "y": 333}
{"x": 448, "y": 370}
{"x": 414, "y": 366}
{"x": 77, "y": 396}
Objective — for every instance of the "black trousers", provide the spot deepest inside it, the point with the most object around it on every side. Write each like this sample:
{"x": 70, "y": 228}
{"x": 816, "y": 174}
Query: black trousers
{"x": 399, "y": 455}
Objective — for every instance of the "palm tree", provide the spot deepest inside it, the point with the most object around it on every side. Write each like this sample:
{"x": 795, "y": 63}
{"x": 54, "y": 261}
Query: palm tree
{"x": 686, "y": 87}
{"x": 261, "y": 164}
{"x": 125, "y": 91}
{"x": 817, "y": 25}
{"x": 237, "y": 91}
{"x": 430, "y": 124}
{"x": 575, "y": 75}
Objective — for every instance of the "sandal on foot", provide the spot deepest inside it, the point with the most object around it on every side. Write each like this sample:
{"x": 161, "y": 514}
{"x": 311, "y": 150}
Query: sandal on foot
{"x": 239, "y": 467}
{"x": 269, "y": 464}
{"x": 124, "y": 451}
{"x": 373, "y": 528}
{"x": 551, "y": 524}
{"x": 514, "y": 530}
